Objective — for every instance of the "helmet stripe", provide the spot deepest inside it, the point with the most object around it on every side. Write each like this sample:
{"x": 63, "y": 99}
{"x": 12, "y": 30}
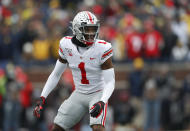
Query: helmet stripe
{"x": 90, "y": 17}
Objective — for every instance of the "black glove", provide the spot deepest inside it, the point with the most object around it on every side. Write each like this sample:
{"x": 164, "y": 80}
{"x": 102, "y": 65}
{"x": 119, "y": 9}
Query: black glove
{"x": 97, "y": 109}
{"x": 39, "y": 107}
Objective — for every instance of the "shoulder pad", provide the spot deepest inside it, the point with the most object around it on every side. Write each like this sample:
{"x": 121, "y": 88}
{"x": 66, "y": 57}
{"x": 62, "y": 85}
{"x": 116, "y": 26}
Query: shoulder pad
{"x": 68, "y": 37}
{"x": 65, "y": 39}
{"x": 102, "y": 42}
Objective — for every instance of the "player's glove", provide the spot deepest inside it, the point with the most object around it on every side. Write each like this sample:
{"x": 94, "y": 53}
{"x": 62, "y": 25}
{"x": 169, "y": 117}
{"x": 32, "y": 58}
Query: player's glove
{"x": 97, "y": 109}
{"x": 39, "y": 107}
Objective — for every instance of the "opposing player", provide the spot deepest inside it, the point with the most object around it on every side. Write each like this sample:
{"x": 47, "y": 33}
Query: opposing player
{"x": 89, "y": 58}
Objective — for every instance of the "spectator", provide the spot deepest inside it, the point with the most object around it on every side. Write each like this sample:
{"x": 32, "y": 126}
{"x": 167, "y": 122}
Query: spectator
{"x": 179, "y": 27}
{"x": 25, "y": 94}
{"x": 118, "y": 44}
{"x": 153, "y": 42}
{"x": 12, "y": 106}
{"x": 134, "y": 43}
{"x": 137, "y": 78}
{"x": 8, "y": 44}
{"x": 186, "y": 94}
{"x": 151, "y": 106}
{"x": 41, "y": 45}
{"x": 3, "y": 81}
{"x": 179, "y": 52}
{"x": 123, "y": 111}
{"x": 54, "y": 43}
{"x": 170, "y": 41}
{"x": 176, "y": 108}
{"x": 164, "y": 81}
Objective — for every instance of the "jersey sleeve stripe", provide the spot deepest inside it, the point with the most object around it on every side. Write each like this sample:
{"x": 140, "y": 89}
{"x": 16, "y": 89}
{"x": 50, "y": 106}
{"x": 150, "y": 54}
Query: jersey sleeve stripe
{"x": 102, "y": 42}
{"x": 107, "y": 53}
{"x": 104, "y": 115}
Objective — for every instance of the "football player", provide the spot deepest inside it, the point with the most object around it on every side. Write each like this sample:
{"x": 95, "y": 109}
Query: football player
{"x": 89, "y": 58}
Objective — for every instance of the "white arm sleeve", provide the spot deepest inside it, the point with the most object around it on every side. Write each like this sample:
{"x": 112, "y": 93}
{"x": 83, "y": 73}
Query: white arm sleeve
{"x": 109, "y": 78}
{"x": 53, "y": 78}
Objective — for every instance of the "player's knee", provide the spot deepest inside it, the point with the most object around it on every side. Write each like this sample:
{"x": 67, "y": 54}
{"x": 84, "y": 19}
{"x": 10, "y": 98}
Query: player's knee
{"x": 57, "y": 128}
{"x": 98, "y": 128}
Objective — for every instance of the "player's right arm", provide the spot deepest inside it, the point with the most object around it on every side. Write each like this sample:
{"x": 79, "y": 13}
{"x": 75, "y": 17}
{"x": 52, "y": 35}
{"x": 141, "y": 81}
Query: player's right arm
{"x": 54, "y": 77}
{"x": 51, "y": 82}
{"x": 59, "y": 68}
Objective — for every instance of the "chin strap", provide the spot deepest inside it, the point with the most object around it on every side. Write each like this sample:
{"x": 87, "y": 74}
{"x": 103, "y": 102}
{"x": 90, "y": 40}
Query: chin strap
{"x": 88, "y": 43}
{"x": 82, "y": 43}
{"x": 77, "y": 42}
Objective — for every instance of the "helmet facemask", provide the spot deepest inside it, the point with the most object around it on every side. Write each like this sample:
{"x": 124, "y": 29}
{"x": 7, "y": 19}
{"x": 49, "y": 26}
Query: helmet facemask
{"x": 89, "y": 33}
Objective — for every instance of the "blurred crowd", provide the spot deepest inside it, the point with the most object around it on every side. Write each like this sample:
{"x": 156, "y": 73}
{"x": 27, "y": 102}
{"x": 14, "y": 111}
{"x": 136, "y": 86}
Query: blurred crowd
{"x": 152, "y": 100}
{"x": 18, "y": 97}
{"x": 139, "y": 30}
{"x": 156, "y": 30}
{"x": 149, "y": 101}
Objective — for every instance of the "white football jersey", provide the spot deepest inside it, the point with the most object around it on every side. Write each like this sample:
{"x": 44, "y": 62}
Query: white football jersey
{"x": 86, "y": 67}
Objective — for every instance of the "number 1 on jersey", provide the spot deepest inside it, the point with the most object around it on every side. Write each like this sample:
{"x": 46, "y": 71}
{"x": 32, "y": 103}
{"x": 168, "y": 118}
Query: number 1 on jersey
{"x": 83, "y": 73}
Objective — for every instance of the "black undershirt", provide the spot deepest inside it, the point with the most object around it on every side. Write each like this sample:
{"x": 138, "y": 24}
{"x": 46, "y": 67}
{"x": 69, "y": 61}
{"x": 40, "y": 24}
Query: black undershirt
{"x": 77, "y": 42}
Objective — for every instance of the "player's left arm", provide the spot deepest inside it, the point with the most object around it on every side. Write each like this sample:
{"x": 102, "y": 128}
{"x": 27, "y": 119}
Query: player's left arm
{"x": 109, "y": 78}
